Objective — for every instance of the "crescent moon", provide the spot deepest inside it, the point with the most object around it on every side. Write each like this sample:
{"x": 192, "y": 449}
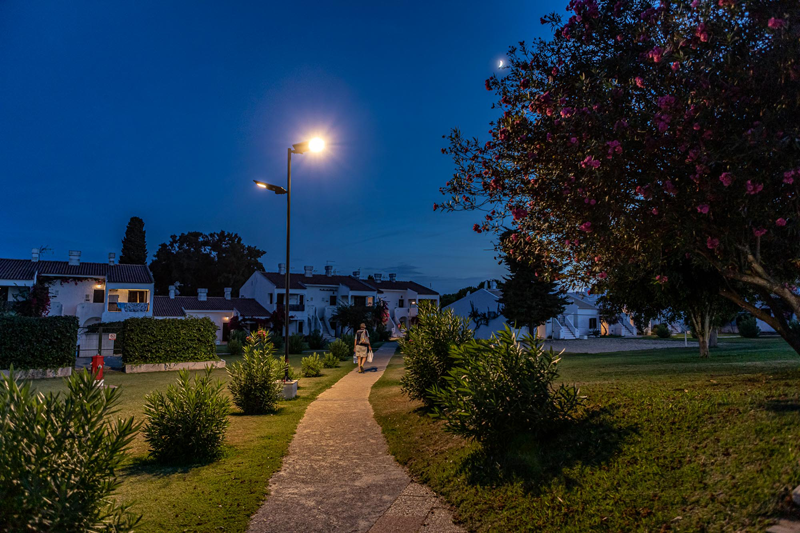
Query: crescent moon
{"x": 501, "y": 64}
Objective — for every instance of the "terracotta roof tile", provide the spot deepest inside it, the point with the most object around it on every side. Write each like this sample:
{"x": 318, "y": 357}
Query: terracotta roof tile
{"x": 165, "y": 306}
{"x": 25, "y": 269}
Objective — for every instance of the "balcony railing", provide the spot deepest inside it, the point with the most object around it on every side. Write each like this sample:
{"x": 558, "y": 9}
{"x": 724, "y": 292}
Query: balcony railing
{"x": 129, "y": 307}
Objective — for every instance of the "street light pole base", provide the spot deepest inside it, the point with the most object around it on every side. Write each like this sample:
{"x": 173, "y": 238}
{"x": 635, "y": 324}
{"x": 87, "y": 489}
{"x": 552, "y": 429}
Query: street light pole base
{"x": 289, "y": 389}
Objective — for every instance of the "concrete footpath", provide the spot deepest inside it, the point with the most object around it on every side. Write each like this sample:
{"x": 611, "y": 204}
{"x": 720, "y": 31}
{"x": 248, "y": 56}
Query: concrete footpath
{"x": 339, "y": 475}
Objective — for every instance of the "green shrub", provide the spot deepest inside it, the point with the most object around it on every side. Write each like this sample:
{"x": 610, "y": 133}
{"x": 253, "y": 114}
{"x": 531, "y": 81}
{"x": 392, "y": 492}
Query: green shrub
{"x": 28, "y": 342}
{"x": 296, "y": 344}
{"x": 341, "y": 350}
{"x": 349, "y": 341}
{"x": 426, "y": 350}
{"x": 374, "y": 336}
{"x": 187, "y": 423}
{"x": 330, "y": 361}
{"x": 254, "y": 381}
{"x": 499, "y": 388}
{"x": 277, "y": 341}
{"x": 234, "y": 347}
{"x": 662, "y": 331}
{"x": 311, "y": 366}
{"x": 169, "y": 340}
{"x": 748, "y": 327}
{"x": 59, "y": 456}
{"x": 239, "y": 335}
{"x": 316, "y": 341}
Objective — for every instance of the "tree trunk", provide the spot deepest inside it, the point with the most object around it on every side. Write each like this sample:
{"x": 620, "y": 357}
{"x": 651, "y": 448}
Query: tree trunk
{"x": 712, "y": 339}
{"x": 701, "y": 320}
{"x": 778, "y": 323}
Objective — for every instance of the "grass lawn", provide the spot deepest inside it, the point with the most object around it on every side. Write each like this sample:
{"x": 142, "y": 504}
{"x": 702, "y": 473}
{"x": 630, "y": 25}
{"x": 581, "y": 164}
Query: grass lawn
{"x": 220, "y": 496}
{"x": 669, "y": 442}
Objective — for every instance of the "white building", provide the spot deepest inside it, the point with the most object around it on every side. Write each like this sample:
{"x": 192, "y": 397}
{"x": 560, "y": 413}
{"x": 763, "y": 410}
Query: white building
{"x": 313, "y": 298}
{"x": 219, "y": 310}
{"x": 93, "y": 292}
{"x": 581, "y": 316}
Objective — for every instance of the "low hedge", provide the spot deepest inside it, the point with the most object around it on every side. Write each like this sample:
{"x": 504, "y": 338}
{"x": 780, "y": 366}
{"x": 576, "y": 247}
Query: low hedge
{"x": 169, "y": 340}
{"x": 28, "y": 342}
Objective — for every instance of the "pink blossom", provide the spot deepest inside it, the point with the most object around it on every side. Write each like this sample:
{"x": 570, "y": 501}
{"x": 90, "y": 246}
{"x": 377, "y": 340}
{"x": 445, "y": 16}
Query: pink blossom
{"x": 703, "y": 208}
{"x": 435, "y": 207}
{"x": 586, "y": 226}
{"x": 753, "y": 188}
{"x": 614, "y": 147}
{"x": 476, "y": 228}
{"x": 712, "y": 243}
{"x": 788, "y": 176}
{"x": 758, "y": 232}
{"x": 695, "y": 3}
{"x": 726, "y": 178}
{"x": 655, "y": 54}
{"x": 602, "y": 275}
{"x": 567, "y": 112}
{"x": 489, "y": 84}
{"x": 701, "y": 32}
{"x": 519, "y": 213}
{"x": 590, "y": 161}
{"x": 675, "y": 66}
{"x": 776, "y": 24}
{"x": 662, "y": 279}
{"x": 780, "y": 222}
{"x": 639, "y": 81}
{"x": 573, "y": 140}
{"x": 670, "y": 188}
{"x": 654, "y": 211}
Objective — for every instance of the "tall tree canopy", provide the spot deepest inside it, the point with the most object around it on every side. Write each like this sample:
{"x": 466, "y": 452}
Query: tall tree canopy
{"x": 640, "y": 133}
{"x": 529, "y": 300}
{"x": 212, "y": 261}
{"x": 134, "y": 244}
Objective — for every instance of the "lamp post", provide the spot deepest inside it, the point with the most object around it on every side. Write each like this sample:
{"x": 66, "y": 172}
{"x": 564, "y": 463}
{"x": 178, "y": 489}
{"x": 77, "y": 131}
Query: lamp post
{"x": 314, "y": 145}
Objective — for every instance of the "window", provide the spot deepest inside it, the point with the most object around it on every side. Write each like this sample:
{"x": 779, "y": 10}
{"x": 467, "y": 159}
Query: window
{"x": 359, "y": 300}
{"x": 300, "y": 327}
{"x": 333, "y": 299}
{"x": 280, "y": 298}
{"x": 99, "y": 296}
{"x": 592, "y": 323}
{"x": 270, "y": 298}
{"x": 401, "y": 303}
{"x": 370, "y": 301}
{"x": 138, "y": 297}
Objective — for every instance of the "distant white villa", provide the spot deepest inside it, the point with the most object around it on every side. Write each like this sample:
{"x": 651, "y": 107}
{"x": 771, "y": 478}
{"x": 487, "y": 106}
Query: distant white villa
{"x": 313, "y": 298}
{"x": 580, "y": 318}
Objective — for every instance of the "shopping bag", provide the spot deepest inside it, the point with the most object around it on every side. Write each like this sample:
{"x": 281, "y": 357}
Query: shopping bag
{"x": 369, "y": 356}
{"x": 355, "y": 359}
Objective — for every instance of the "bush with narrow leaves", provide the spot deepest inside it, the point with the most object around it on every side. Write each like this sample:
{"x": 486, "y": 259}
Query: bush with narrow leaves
{"x": 662, "y": 331}
{"x": 187, "y": 423}
{"x": 349, "y": 341}
{"x": 311, "y": 366}
{"x": 426, "y": 350}
{"x": 254, "y": 381}
{"x": 500, "y": 388}
{"x": 59, "y": 455}
{"x": 748, "y": 327}
{"x": 341, "y": 350}
{"x": 234, "y": 347}
{"x": 296, "y": 343}
{"x": 330, "y": 361}
{"x": 315, "y": 340}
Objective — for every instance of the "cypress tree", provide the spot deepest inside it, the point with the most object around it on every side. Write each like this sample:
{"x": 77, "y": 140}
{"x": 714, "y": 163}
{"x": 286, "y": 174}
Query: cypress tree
{"x": 134, "y": 245}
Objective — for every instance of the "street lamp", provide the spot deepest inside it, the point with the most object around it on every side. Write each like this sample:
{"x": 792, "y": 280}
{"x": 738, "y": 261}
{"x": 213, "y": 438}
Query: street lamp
{"x": 314, "y": 145}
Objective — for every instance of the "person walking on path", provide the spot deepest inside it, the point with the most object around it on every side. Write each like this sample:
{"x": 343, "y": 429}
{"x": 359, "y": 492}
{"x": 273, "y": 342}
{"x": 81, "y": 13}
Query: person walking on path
{"x": 362, "y": 346}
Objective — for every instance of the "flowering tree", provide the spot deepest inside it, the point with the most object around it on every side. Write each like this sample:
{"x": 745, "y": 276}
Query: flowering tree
{"x": 642, "y": 133}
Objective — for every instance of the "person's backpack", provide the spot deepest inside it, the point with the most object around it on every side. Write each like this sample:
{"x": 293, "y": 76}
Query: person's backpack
{"x": 363, "y": 339}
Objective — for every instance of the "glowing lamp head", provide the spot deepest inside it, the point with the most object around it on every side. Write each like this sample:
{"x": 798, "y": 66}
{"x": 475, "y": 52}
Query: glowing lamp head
{"x": 316, "y": 144}
{"x": 261, "y": 184}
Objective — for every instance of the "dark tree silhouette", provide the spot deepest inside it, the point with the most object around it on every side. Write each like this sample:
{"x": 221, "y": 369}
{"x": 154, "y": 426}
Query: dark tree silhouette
{"x": 212, "y": 261}
{"x": 528, "y": 299}
{"x": 134, "y": 245}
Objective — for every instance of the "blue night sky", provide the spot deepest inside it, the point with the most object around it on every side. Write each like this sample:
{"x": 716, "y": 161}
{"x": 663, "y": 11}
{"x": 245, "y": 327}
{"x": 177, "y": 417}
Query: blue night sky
{"x": 169, "y": 110}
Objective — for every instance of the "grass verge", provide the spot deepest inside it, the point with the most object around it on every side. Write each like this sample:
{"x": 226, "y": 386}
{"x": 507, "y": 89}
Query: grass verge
{"x": 219, "y": 496}
{"x": 669, "y": 442}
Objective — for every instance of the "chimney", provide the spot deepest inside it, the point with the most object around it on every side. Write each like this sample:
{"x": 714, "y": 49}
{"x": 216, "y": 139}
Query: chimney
{"x": 309, "y": 271}
{"x": 228, "y": 291}
{"x": 329, "y": 270}
{"x": 282, "y": 268}
{"x": 112, "y": 259}
{"x": 74, "y": 257}
{"x": 392, "y": 277}
{"x": 377, "y": 277}
{"x": 172, "y": 292}
{"x": 35, "y": 255}
{"x": 202, "y": 295}
{"x": 357, "y": 274}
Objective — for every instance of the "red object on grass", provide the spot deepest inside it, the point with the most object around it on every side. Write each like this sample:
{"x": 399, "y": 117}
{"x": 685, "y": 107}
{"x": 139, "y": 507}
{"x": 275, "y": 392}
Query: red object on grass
{"x": 97, "y": 367}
